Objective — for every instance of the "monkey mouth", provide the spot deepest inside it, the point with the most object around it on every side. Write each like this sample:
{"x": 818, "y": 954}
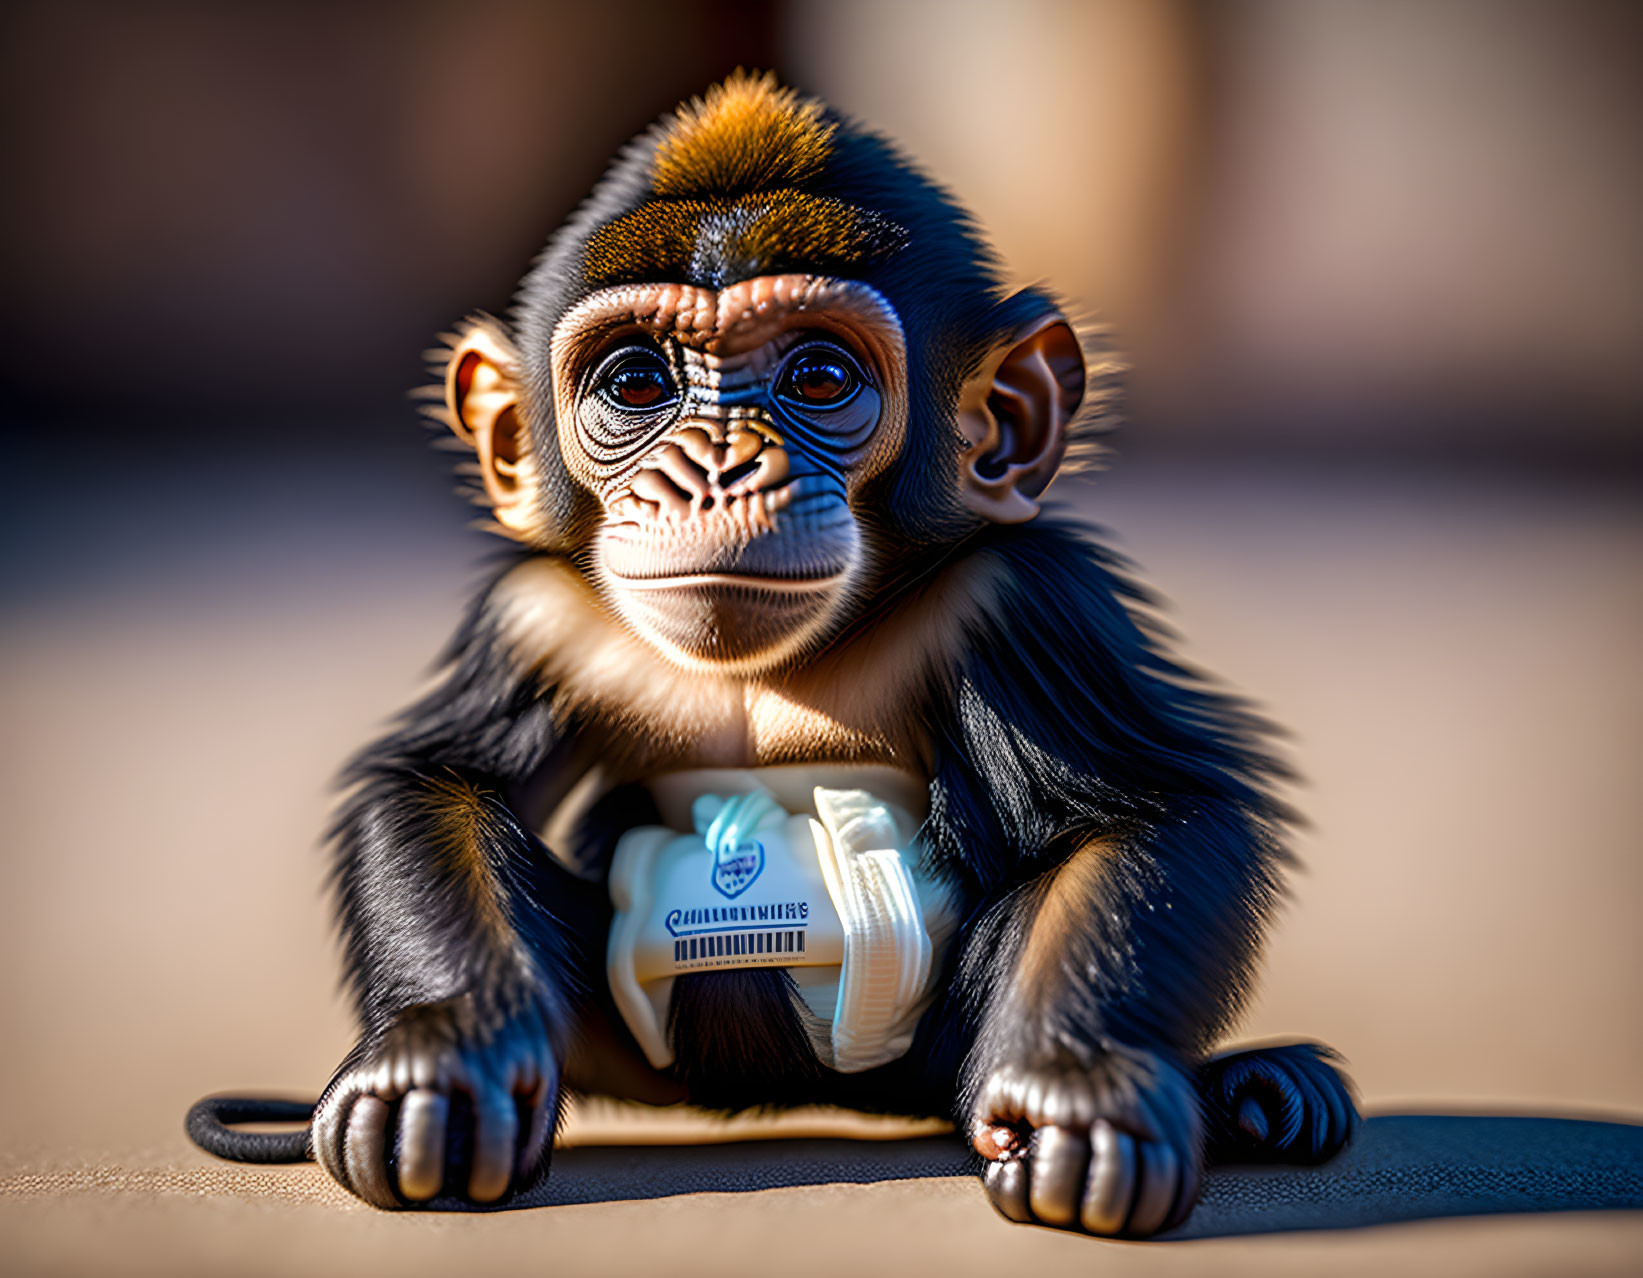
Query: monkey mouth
{"x": 775, "y": 584}
{"x": 709, "y": 598}
{"x": 815, "y": 554}
{"x": 729, "y": 621}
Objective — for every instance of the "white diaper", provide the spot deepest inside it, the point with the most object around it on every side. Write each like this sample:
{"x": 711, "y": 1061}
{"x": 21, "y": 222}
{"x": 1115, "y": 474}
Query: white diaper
{"x": 838, "y": 899}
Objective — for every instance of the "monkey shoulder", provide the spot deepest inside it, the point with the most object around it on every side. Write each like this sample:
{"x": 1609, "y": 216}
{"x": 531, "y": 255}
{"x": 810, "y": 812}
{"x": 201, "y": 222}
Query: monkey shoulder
{"x": 1067, "y": 716}
{"x": 1067, "y": 624}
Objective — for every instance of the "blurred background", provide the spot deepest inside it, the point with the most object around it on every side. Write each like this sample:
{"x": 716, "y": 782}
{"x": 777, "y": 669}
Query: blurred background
{"x": 1378, "y": 265}
{"x": 1393, "y": 229}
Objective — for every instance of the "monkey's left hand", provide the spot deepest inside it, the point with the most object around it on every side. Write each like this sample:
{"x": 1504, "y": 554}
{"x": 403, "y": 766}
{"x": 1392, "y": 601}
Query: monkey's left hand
{"x": 1114, "y": 1149}
{"x": 442, "y": 1099}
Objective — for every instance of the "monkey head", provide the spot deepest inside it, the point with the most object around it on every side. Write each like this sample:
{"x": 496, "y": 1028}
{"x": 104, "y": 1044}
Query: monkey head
{"x": 727, "y": 434}
{"x": 763, "y": 373}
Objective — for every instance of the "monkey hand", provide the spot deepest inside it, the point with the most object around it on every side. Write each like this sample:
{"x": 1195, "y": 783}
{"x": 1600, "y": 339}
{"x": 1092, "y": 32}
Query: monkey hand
{"x": 441, "y": 1099}
{"x": 1111, "y": 1149}
{"x": 1284, "y": 1103}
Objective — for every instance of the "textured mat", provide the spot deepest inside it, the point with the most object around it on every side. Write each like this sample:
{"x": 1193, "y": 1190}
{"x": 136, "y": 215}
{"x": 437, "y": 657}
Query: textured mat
{"x": 1401, "y": 1167}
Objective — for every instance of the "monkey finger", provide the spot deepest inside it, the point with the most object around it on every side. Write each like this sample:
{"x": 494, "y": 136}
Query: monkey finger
{"x": 1292, "y": 1109}
{"x": 1110, "y": 1186}
{"x": 536, "y": 1111}
{"x": 1006, "y": 1185}
{"x": 1316, "y": 1116}
{"x": 397, "y": 1075}
{"x": 1188, "y": 1184}
{"x": 496, "y": 1130}
{"x": 445, "y": 1071}
{"x": 1176, "y": 1117}
{"x": 1160, "y": 1119}
{"x": 524, "y": 1076}
{"x": 1286, "y": 1106}
{"x": 330, "y": 1126}
{"x": 1001, "y": 1099}
{"x": 1158, "y": 1186}
{"x": 423, "y": 1116}
{"x": 1337, "y": 1104}
{"x": 1060, "y": 1158}
{"x": 1253, "y": 1121}
{"x": 1344, "y": 1115}
{"x": 365, "y": 1152}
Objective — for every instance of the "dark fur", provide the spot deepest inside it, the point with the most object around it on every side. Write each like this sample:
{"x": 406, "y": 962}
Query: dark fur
{"x": 1067, "y": 721}
{"x": 1064, "y": 724}
{"x": 952, "y": 325}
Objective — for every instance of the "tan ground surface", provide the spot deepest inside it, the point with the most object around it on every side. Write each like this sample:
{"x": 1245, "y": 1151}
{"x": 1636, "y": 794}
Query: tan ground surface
{"x": 1460, "y": 666}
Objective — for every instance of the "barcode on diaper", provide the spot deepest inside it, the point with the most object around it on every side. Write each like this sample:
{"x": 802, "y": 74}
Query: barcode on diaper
{"x": 737, "y": 945}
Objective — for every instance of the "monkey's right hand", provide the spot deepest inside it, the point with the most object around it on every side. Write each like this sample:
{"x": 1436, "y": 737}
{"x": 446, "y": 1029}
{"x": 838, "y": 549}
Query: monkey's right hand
{"x": 441, "y": 1100}
{"x": 1112, "y": 1146}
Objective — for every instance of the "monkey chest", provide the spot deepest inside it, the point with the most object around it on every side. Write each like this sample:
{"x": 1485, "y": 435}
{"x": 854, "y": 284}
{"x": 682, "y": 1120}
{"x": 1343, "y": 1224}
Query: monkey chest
{"x": 759, "y": 726}
{"x": 612, "y": 777}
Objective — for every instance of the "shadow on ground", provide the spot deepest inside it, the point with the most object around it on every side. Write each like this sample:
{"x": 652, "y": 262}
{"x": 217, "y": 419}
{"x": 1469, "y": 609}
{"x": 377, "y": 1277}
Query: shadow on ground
{"x": 1400, "y": 1167}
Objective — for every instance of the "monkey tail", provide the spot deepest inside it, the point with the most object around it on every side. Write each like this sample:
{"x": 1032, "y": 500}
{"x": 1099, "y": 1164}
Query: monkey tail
{"x": 209, "y": 1125}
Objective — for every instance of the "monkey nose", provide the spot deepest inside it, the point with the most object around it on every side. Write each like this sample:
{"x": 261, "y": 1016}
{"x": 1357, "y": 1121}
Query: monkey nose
{"x": 703, "y": 446}
{"x": 742, "y": 446}
{"x": 766, "y": 470}
{"x": 693, "y": 482}
{"x": 719, "y": 461}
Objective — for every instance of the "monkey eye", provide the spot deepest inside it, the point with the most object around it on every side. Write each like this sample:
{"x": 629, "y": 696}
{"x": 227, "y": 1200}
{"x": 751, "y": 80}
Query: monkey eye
{"x": 820, "y": 377}
{"x": 636, "y": 380}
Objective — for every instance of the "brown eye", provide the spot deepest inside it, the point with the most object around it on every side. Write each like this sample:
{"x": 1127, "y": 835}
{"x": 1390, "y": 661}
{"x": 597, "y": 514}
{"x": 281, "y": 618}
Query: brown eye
{"x": 820, "y": 378}
{"x": 637, "y": 381}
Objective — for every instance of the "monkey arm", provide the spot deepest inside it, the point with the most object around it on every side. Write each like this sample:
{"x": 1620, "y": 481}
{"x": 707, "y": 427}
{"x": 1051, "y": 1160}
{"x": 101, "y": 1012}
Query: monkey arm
{"x": 1078, "y": 1087}
{"x": 1103, "y": 981}
{"x": 1112, "y": 819}
{"x": 1086, "y": 783}
{"x": 457, "y": 940}
{"x": 1145, "y": 935}
{"x": 434, "y": 873}
{"x": 432, "y": 879}
{"x": 1089, "y": 787}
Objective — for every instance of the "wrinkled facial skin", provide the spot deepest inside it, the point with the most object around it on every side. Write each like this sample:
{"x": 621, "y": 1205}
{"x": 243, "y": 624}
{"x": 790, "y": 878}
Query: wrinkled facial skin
{"x": 726, "y": 435}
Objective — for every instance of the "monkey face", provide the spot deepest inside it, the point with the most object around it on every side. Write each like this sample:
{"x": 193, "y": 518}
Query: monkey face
{"x": 725, "y": 436}
{"x": 705, "y": 455}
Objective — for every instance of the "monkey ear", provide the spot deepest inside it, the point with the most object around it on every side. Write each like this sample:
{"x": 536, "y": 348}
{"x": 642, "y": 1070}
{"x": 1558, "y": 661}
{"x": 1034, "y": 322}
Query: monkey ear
{"x": 1014, "y": 412}
{"x": 482, "y": 406}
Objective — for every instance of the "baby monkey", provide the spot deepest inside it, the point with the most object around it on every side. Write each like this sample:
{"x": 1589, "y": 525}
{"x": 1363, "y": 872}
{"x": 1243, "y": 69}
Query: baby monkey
{"x": 794, "y": 756}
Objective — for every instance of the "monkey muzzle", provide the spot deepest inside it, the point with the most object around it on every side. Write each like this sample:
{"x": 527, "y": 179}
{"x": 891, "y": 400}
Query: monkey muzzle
{"x": 838, "y": 898}
{"x": 727, "y": 546}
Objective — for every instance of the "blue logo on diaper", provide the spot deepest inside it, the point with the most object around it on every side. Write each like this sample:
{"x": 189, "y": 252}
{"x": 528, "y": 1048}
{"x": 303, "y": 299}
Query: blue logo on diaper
{"x": 736, "y": 867}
